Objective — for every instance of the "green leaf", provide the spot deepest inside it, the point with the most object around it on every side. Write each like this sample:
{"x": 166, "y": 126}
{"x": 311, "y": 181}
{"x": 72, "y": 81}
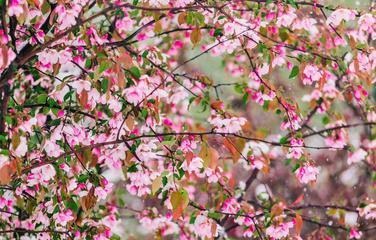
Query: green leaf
{"x": 288, "y": 161}
{"x": 41, "y": 99}
{"x": 283, "y": 140}
{"x": 293, "y": 3}
{"x": 245, "y": 98}
{"x": 296, "y": 166}
{"x": 104, "y": 85}
{"x": 200, "y": 18}
{"x": 88, "y": 63}
{"x": 218, "y": 32}
{"x": 55, "y": 122}
{"x": 4, "y": 152}
{"x": 265, "y": 107}
{"x": 45, "y": 6}
{"x": 103, "y": 66}
{"x": 325, "y": 120}
{"x": 179, "y": 201}
{"x": 264, "y": 31}
{"x": 68, "y": 95}
{"x": 283, "y": 34}
{"x": 164, "y": 181}
{"x": 82, "y": 178}
{"x": 190, "y": 18}
{"x": 72, "y": 205}
{"x": 132, "y": 168}
{"x": 214, "y": 215}
{"x": 192, "y": 219}
{"x": 294, "y": 72}
{"x": 115, "y": 237}
{"x": 135, "y": 72}
{"x": 239, "y": 88}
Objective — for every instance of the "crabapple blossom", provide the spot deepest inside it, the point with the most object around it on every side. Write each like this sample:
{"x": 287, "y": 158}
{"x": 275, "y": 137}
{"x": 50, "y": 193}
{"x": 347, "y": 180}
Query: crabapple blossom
{"x": 357, "y": 156}
{"x": 339, "y": 15}
{"x": 279, "y": 231}
{"x": 64, "y": 217}
{"x": 307, "y": 174}
{"x": 203, "y": 227}
{"x": 354, "y": 234}
{"x": 193, "y": 166}
{"x": 186, "y": 120}
{"x": 312, "y": 74}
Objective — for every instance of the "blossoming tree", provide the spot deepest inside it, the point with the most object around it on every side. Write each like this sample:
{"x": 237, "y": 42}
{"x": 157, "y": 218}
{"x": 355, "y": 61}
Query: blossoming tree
{"x": 106, "y": 116}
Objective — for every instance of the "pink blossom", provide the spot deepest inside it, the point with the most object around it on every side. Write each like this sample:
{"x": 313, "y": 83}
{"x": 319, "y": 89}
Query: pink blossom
{"x": 188, "y": 145}
{"x": 139, "y": 183}
{"x": 48, "y": 56}
{"x": 15, "y": 7}
{"x": 213, "y": 175}
{"x": 181, "y": 3}
{"x": 248, "y": 232}
{"x": 357, "y": 156}
{"x": 355, "y": 234}
{"x": 193, "y": 166}
{"x": 231, "y": 206}
{"x": 279, "y": 231}
{"x": 368, "y": 212}
{"x": 124, "y": 25}
{"x": 311, "y": 74}
{"x": 366, "y": 23}
{"x": 81, "y": 85}
{"x": 3, "y": 160}
{"x": 63, "y": 218}
{"x": 67, "y": 16}
{"x": 337, "y": 139}
{"x": 307, "y": 174}
{"x": 338, "y": 15}
{"x": 44, "y": 173}
{"x": 203, "y": 227}
{"x": 286, "y": 18}
{"x": 295, "y": 150}
{"x": 52, "y": 149}
{"x": 158, "y": 3}
{"x": 227, "y": 125}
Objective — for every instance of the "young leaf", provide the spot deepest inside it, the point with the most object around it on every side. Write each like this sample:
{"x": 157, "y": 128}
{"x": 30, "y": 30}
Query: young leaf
{"x": 195, "y": 36}
{"x": 179, "y": 201}
{"x": 294, "y": 72}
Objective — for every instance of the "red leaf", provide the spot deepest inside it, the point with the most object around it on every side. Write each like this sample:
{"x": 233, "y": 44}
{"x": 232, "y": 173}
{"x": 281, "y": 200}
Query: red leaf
{"x": 298, "y": 200}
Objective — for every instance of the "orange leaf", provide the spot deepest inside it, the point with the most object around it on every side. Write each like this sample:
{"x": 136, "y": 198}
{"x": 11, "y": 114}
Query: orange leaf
{"x": 88, "y": 201}
{"x": 6, "y": 172}
{"x": 4, "y": 52}
{"x": 158, "y": 27}
{"x": 126, "y": 60}
{"x": 217, "y": 105}
{"x": 322, "y": 81}
{"x": 156, "y": 185}
{"x": 195, "y": 36}
{"x": 182, "y": 18}
{"x": 235, "y": 146}
{"x": 277, "y": 209}
{"x": 188, "y": 157}
{"x": 298, "y": 224}
{"x": 83, "y": 98}
{"x": 179, "y": 201}
{"x": 229, "y": 145}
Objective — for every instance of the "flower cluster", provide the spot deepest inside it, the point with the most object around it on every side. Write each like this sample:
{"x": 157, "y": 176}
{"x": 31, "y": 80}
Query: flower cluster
{"x": 190, "y": 119}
